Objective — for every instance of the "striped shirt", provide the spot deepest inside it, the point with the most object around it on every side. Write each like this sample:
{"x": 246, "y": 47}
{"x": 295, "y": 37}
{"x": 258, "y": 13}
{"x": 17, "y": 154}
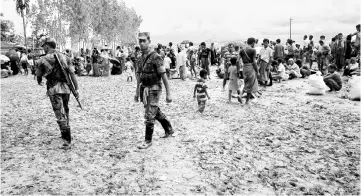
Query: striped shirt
{"x": 201, "y": 90}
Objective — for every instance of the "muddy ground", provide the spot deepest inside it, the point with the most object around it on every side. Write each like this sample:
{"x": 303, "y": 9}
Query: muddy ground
{"x": 287, "y": 143}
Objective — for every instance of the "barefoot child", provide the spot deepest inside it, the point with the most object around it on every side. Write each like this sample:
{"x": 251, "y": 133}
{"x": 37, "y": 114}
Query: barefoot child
{"x": 201, "y": 89}
{"x": 233, "y": 80}
{"x": 129, "y": 66}
{"x": 333, "y": 79}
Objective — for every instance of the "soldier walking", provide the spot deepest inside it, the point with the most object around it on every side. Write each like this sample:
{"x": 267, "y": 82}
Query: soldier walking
{"x": 151, "y": 72}
{"x": 57, "y": 89}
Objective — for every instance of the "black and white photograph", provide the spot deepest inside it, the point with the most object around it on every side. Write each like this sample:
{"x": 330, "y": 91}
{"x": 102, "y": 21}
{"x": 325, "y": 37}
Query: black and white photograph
{"x": 180, "y": 97}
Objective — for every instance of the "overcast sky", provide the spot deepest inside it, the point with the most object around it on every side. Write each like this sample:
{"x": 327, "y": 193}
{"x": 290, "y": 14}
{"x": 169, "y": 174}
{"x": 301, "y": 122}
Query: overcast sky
{"x": 224, "y": 20}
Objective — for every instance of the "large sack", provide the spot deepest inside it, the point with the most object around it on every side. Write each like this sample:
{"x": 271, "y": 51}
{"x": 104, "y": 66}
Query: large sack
{"x": 317, "y": 85}
{"x": 355, "y": 83}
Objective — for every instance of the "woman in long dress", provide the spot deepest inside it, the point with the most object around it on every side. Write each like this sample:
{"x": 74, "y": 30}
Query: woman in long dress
{"x": 250, "y": 70}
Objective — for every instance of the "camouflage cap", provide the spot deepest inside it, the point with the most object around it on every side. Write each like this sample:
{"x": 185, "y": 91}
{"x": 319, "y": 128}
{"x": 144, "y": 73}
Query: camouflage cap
{"x": 143, "y": 35}
{"x": 47, "y": 40}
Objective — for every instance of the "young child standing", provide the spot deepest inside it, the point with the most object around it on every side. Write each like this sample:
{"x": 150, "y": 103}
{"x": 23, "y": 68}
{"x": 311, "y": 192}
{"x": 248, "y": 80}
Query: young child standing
{"x": 233, "y": 80}
{"x": 129, "y": 66}
{"x": 201, "y": 89}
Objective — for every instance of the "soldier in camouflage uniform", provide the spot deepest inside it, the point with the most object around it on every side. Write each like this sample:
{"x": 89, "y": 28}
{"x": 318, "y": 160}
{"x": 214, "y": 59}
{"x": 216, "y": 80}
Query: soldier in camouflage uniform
{"x": 57, "y": 89}
{"x": 227, "y": 57}
{"x": 151, "y": 71}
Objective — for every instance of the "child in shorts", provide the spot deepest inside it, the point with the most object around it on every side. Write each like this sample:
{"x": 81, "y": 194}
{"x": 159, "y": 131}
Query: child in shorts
{"x": 200, "y": 89}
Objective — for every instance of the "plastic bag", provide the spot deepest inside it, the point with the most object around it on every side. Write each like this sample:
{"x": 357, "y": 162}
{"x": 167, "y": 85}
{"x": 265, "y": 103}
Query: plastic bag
{"x": 317, "y": 85}
{"x": 355, "y": 83}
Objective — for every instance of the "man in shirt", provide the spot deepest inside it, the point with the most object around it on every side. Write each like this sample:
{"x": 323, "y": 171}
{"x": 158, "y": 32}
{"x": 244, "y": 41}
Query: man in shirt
{"x": 322, "y": 53}
{"x": 357, "y": 41}
{"x": 305, "y": 49}
{"x": 57, "y": 89}
{"x": 181, "y": 63}
{"x": 204, "y": 58}
{"x": 340, "y": 52}
{"x": 279, "y": 50}
{"x": 264, "y": 62}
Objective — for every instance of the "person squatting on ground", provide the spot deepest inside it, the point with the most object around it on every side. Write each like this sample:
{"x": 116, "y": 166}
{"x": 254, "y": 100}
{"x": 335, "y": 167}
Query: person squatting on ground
{"x": 204, "y": 58}
{"x": 57, "y": 89}
{"x": 264, "y": 62}
{"x": 281, "y": 71}
{"x": 333, "y": 79}
{"x": 200, "y": 89}
{"x": 352, "y": 67}
{"x": 293, "y": 70}
{"x": 250, "y": 69}
{"x": 152, "y": 72}
{"x": 233, "y": 80}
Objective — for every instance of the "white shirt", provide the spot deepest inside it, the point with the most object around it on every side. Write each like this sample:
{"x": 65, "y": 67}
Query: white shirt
{"x": 282, "y": 69}
{"x": 24, "y": 58}
{"x": 129, "y": 66}
{"x": 354, "y": 66}
{"x": 167, "y": 62}
{"x": 306, "y": 42}
{"x": 265, "y": 54}
{"x": 118, "y": 53}
{"x": 258, "y": 49}
{"x": 181, "y": 59}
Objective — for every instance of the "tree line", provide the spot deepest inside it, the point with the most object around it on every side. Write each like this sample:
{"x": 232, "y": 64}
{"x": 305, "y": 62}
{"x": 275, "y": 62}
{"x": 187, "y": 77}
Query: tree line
{"x": 88, "y": 21}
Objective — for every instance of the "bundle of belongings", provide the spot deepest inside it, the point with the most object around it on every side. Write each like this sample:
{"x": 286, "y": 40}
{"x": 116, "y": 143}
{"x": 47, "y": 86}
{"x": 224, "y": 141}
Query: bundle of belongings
{"x": 355, "y": 86}
{"x": 317, "y": 85}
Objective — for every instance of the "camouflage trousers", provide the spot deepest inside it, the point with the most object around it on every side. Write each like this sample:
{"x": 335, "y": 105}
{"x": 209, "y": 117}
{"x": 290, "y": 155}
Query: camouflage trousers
{"x": 60, "y": 104}
{"x": 151, "y": 106}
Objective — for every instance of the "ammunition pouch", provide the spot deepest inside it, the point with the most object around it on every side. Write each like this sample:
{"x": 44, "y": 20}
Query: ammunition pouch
{"x": 149, "y": 79}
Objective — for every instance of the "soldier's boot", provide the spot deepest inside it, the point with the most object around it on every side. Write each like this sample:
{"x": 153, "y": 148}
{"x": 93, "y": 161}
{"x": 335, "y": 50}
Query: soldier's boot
{"x": 66, "y": 136}
{"x": 148, "y": 137}
{"x": 168, "y": 129}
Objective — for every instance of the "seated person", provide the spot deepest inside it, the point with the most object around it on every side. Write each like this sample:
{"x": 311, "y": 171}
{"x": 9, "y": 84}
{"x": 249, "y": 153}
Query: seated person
{"x": 281, "y": 71}
{"x": 333, "y": 79}
{"x": 304, "y": 69}
{"x": 293, "y": 69}
{"x": 352, "y": 68}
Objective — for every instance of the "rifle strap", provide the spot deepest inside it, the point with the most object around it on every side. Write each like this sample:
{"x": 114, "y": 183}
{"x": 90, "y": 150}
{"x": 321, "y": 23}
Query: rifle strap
{"x": 146, "y": 59}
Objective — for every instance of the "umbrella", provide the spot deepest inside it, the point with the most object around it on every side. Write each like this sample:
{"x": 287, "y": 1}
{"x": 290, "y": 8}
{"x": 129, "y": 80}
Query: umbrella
{"x": 20, "y": 46}
{"x": 12, "y": 55}
{"x": 114, "y": 61}
{"x": 4, "y": 58}
{"x": 185, "y": 42}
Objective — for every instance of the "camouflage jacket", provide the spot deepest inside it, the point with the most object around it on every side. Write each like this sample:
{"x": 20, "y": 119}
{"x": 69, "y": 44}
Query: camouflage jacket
{"x": 47, "y": 67}
{"x": 150, "y": 73}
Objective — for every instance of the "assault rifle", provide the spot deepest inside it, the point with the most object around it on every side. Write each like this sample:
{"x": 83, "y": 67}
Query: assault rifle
{"x": 69, "y": 82}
